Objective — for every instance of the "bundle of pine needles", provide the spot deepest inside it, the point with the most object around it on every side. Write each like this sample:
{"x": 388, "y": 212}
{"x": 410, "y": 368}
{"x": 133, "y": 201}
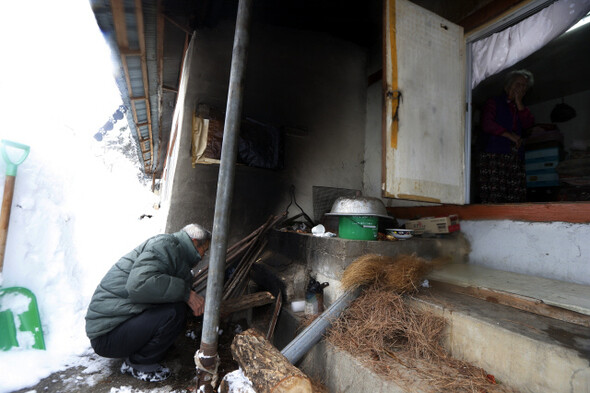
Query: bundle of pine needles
{"x": 380, "y": 321}
{"x": 399, "y": 274}
{"x": 384, "y": 332}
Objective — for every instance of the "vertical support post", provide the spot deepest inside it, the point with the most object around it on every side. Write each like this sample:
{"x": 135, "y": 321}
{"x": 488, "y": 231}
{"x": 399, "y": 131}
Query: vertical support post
{"x": 468, "y": 114}
{"x": 206, "y": 359}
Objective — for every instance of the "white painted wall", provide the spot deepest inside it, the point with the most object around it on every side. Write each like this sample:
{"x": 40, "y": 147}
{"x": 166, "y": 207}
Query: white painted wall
{"x": 554, "y": 250}
{"x": 577, "y": 128}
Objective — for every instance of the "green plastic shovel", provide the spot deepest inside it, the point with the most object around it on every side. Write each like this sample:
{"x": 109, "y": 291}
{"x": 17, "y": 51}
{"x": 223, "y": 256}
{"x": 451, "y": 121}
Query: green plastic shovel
{"x": 20, "y": 325}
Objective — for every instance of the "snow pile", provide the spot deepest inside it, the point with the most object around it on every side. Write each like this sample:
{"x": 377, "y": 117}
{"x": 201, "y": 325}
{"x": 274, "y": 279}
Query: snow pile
{"x": 77, "y": 206}
{"x": 237, "y": 382}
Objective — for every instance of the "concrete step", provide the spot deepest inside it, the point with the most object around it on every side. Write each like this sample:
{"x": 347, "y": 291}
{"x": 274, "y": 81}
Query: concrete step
{"x": 530, "y": 352}
{"x": 566, "y": 295}
{"x": 525, "y": 351}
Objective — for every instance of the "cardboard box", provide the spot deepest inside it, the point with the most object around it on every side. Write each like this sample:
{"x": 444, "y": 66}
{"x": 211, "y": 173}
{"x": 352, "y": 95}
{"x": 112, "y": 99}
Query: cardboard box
{"x": 435, "y": 224}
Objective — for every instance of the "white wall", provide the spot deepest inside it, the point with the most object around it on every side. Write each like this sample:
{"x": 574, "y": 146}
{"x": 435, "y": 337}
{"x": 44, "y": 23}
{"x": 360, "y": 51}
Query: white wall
{"x": 577, "y": 128}
{"x": 554, "y": 250}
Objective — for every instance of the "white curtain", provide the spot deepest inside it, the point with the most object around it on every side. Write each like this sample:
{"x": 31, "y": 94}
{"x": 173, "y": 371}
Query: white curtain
{"x": 505, "y": 48}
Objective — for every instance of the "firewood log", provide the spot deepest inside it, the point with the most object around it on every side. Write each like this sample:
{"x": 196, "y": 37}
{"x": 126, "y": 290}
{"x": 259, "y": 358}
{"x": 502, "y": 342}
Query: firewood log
{"x": 245, "y": 302}
{"x": 265, "y": 366}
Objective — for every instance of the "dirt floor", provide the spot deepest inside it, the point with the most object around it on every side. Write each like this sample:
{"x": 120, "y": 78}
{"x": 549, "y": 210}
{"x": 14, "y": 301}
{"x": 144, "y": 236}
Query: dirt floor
{"x": 101, "y": 375}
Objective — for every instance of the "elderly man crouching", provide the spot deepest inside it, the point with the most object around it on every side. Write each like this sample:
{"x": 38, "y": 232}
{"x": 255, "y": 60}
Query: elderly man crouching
{"x": 139, "y": 308}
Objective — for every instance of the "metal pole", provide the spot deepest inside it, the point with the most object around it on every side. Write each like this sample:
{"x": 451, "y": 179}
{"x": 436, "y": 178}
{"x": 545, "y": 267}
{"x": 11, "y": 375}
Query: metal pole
{"x": 206, "y": 358}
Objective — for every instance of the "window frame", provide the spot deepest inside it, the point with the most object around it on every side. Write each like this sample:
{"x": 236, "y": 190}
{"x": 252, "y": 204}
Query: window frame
{"x": 549, "y": 211}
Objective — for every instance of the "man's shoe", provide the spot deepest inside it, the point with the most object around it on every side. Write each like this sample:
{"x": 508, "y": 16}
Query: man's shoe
{"x": 158, "y": 375}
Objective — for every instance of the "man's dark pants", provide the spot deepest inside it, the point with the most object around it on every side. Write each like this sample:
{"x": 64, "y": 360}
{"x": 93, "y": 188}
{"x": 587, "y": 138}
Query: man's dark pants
{"x": 145, "y": 338}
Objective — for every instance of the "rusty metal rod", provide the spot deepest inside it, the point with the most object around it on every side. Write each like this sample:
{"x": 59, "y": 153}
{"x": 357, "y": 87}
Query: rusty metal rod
{"x": 251, "y": 248}
{"x": 203, "y": 273}
{"x": 241, "y": 274}
{"x": 246, "y": 239}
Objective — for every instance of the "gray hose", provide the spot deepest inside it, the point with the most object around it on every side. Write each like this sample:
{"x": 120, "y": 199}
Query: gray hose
{"x": 301, "y": 344}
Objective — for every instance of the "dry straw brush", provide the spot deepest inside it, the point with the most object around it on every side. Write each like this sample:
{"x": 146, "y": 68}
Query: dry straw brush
{"x": 399, "y": 274}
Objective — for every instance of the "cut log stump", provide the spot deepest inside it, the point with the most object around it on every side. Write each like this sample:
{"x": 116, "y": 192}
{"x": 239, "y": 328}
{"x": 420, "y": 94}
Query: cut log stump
{"x": 265, "y": 366}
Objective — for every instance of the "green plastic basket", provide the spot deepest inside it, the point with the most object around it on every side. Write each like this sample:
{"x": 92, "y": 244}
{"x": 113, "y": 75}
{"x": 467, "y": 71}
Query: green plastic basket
{"x": 358, "y": 227}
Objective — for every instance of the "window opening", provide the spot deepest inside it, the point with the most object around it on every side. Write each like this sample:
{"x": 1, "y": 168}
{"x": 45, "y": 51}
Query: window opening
{"x": 556, "y": 154}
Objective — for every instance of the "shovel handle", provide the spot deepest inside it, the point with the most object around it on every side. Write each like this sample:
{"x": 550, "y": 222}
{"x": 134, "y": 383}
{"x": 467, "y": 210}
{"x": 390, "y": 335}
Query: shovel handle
{"x": 12, "y": 165}
{"x": 9, "y": 189}
{"x": 5, "y": 215}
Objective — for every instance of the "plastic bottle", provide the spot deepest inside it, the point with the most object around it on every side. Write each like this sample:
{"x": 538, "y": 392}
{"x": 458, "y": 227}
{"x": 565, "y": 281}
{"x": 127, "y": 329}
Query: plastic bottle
{"x": 311, "y": 300}
{"x": 314, "y": 297}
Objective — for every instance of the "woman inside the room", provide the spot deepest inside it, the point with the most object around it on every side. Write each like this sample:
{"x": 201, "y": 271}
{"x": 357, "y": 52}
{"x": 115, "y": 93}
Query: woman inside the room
{"x": 504, "y": 119}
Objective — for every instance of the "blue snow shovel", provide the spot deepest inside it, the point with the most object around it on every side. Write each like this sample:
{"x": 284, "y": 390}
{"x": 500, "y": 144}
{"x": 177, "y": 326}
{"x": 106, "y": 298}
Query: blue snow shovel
{"x": 20, "y": 325}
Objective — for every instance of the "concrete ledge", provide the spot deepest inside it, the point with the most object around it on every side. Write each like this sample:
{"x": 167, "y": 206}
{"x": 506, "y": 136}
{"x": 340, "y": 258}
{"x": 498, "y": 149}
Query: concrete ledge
{"x": 342, "y": 373}
{"x": 327, "y": 258}
{"x": 529, "y": 352}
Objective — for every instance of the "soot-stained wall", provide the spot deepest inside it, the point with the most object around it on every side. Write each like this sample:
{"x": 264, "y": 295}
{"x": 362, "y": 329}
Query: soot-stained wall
{"x": 307, "y": 81}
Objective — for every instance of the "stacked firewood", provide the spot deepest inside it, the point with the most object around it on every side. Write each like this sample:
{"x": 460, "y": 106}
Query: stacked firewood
{"x": 239, "y": 260}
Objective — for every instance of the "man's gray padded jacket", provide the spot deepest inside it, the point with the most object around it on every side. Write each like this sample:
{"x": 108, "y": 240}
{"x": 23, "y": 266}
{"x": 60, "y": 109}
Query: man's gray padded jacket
{"x": 157, "y": 271}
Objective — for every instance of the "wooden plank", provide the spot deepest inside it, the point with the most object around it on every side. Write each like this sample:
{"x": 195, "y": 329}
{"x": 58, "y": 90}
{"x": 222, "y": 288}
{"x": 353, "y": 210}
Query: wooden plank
{"x": 524, "y": 303}
{"x": 182, "y": 27}
{"x": 160, "y": 24}
{"x": 120, "y": 26}
{"x": 144, "y": 72}
{"x": 275, "y": 317}
{"x": 574, "y": 212}
{"x": 488, "y": 13}
{"x": 172, "y": 141}
{"x": 129, "y": 52}
{"x": 245, "y": 302}
{"x": 118, "y": 11}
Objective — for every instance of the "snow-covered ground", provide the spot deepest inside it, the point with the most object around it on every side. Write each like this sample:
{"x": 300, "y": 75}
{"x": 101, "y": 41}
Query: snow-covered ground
{"x": 77, "y": 205}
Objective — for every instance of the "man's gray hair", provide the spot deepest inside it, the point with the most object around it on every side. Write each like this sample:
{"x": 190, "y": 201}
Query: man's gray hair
{"x": 526, "y": 74}
{"x": 197, "y": 232}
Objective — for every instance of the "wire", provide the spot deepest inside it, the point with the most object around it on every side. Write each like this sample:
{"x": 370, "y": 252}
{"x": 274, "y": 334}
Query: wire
{"x": 294, "y": 201}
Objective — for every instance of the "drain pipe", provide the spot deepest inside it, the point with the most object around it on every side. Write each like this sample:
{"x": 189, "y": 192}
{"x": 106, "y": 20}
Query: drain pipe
{"x": 206, "y": 358}
{"x": 301, "y": 344}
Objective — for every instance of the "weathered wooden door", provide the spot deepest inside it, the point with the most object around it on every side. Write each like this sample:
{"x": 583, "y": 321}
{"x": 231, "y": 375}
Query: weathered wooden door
{"x": 424, "y": 114}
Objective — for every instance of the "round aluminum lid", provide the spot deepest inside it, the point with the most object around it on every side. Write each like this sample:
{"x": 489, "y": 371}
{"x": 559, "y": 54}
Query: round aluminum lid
{"x": 358, "y": 206}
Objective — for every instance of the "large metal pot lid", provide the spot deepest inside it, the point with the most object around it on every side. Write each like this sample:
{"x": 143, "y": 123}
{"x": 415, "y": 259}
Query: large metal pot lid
{"x": 358, "y": 206}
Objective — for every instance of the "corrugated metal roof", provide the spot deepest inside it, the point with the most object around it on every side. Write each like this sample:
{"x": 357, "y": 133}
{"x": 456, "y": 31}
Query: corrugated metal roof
{"x": 133, "y": 32}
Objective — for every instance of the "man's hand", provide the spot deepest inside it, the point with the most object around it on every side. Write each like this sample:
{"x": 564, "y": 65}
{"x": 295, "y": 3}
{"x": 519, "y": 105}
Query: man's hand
{"x": 196, "y": 303}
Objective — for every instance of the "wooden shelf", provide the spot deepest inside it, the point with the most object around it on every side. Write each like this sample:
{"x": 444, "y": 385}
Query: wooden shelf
{"x": 575, "y": 212}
